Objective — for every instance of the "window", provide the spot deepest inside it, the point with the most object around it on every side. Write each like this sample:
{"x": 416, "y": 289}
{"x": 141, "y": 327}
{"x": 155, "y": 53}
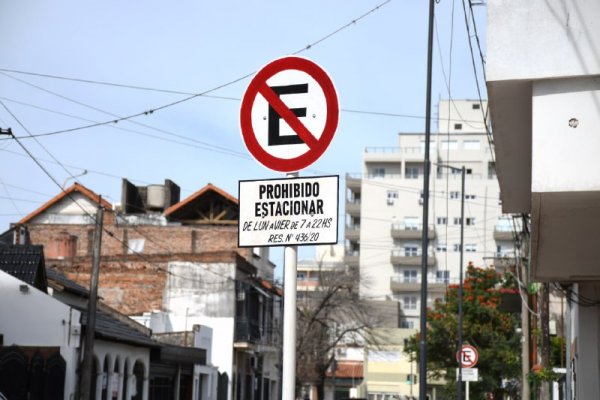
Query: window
{"x": 449, "y": 144}
{"x": 441, "y": 221}
{"x": 458, "y": 126}
{"x": 469, "y": 171}
{"x": 455, "y": 195}
{"x": 456, "y": 220}
{"x": 442, "y": 276}
{"x": 406, "y": 324}
{"x": 301, "y": 276}
{"x": 410, "y": 276}
{"x": 411, "y": 250}
{"x": 456, "y": 247}
{"x": 471, "y": 144}
{"x": 409, "y": 302}
{"x": 392, "y": 195}
{"x": 441, "y": 247}
{"x": 412, "y": 223}
{"x": 470, "y": 221}
{"x": 470, "y": 197}
{"x": 470, "y": 248}
{"x": 378, "y": 172}
{"x": 476, "y": 106}
{"x": 412, "y": 172}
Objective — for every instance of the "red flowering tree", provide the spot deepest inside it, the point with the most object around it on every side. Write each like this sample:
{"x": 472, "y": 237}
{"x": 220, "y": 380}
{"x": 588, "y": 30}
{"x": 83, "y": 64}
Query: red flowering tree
{"x": 486, "y": 327}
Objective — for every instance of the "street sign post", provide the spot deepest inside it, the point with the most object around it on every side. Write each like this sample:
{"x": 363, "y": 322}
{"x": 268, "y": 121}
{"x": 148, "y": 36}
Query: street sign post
{"x": 288, "y": 117}
{"x": 285, "y": 212}
{"x": 289, "y": 114}
{"x": 467, "y": 357}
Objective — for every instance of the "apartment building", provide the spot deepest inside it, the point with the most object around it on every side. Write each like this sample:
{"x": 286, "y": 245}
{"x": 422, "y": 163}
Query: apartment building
{"x": 384, "y": 208}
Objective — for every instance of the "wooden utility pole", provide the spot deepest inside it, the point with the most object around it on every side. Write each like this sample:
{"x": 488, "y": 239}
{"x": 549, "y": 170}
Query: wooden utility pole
{"x": 90, "y": 329}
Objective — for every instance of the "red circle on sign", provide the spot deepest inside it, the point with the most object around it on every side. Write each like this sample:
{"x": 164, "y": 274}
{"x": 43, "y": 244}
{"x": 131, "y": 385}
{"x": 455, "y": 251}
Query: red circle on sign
{"x": 471, "y": 355}
{"x": 317, "y": 146}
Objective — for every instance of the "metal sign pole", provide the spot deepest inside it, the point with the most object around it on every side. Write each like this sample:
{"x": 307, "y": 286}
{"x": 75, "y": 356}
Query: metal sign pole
{"x": 289, "y": 319}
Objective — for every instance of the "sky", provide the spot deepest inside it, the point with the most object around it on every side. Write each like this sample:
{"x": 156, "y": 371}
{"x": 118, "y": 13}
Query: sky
{"x": 137, "y": 57}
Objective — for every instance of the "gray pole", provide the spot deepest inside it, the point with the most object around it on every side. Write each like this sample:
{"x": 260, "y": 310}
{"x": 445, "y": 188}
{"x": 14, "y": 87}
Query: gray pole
{"x": 86, "y": 367}
{"x": 460, "y": 282}
{"x": 290, "y": 266}
{"x": 425, "y": 237}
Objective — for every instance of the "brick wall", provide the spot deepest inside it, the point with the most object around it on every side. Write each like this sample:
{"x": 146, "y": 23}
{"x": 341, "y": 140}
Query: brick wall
{"x": 128, "y": 282}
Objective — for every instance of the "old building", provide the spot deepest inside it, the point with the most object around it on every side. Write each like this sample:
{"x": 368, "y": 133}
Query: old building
{"x": 171, "y": 265}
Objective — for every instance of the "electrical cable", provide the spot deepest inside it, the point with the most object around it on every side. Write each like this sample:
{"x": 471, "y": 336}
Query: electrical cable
{"x": 206, "y": 92}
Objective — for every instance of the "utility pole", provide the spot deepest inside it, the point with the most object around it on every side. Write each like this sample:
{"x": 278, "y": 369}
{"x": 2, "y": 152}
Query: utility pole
{"x": 544, "y": 301}
{"x": 425, "y": 222}
{"x": 524, "y": 261}
{"x": 90, "y": 329}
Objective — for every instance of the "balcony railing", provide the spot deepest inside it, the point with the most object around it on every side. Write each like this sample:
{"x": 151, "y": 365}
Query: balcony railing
{"x": 410, "y": 231}
{"x": 352, "y": 231}
{"x": 503, "y": 232}
{"x": 353, "y": 207}
{"x": 401, "y": 283}
{"x": 402, "y": 257}
{"x": 250, "y": 331}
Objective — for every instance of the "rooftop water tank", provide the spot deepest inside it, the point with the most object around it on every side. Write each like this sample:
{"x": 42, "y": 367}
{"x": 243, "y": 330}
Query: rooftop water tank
{"x": 155, "y": 197}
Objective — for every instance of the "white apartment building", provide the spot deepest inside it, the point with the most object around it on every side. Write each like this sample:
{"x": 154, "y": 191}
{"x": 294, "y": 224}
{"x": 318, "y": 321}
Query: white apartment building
{"x": 384, "y": 209}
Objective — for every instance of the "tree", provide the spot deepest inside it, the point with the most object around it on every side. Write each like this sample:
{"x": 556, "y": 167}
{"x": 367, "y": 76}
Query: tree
{"x": 486, "y": 327}
{"x": 332, "y": 315}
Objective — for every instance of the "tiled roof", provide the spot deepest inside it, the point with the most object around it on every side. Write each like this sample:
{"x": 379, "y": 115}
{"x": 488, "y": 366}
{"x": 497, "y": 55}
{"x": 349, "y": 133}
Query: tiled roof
{"x": 76, "y": 187}
{"x": 113, "y": 328}
{"x": 24, "y": 262}
{"x": 55, "y": 276}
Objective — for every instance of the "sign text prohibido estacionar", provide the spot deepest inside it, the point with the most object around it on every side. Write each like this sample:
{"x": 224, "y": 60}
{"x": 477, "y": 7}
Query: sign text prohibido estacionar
{"x": 287, "y": 212}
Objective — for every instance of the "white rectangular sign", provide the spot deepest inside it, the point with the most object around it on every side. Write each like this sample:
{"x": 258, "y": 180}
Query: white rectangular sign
{"x": 287, "y": 212}
{"x": 469, "y": 374}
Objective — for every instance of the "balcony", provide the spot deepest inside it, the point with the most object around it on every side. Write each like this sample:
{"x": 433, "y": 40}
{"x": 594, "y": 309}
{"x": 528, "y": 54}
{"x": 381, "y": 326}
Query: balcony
{"x": 353, "y": 182}
{"x": 410, "y": 231}
{"x": 352, "y": 232}
{"x": 399, "y": 283}
{"x": 400, "y": 258}
{"x": 503, "y": 232}
{"x": 249, "y": 333}
{"x": 351, "y": 258}
{"x": 353, "y": 207}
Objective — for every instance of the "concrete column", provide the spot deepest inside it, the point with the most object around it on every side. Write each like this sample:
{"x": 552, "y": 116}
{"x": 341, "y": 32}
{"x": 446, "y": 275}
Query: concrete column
{"x": 98, "y": 394}
{"x": 146, "y": 387}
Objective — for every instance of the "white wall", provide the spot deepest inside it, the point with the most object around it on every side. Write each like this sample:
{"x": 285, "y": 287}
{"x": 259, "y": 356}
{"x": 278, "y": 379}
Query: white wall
{"x": 537, "y": 39}
{"x": 565, "y": 158}
{"x": 33, "y": 318}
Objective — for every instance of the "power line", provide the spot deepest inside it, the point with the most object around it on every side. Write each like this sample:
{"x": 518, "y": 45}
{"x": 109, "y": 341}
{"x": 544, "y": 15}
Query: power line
{"x": 194, "y": 95}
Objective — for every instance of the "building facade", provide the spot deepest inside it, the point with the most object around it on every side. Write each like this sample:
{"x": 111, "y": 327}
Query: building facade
{"x": 542, "y": 78}
{"x": 384, "y": 208}
{"x": 171, "y": 265}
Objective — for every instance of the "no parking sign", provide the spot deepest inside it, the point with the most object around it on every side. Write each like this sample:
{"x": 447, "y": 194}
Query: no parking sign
{"x": 289, "y": 114}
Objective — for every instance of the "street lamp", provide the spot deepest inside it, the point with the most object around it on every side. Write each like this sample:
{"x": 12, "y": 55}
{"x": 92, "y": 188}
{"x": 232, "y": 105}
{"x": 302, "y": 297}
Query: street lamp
{"x": 460, "y": 273}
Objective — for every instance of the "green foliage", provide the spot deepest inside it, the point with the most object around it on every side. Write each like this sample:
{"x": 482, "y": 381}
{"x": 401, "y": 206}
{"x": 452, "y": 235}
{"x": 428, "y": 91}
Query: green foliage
{"x": 558, "y": 351}
{"x": 490, "y": 330}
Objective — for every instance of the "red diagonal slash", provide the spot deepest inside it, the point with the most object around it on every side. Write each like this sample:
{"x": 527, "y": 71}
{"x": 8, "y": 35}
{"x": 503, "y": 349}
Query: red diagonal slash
{"x": 287, "y": 115}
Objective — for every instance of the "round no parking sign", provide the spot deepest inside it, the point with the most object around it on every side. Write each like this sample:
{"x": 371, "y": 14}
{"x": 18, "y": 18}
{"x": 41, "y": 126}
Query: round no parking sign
{"x": 289, "y": 114}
